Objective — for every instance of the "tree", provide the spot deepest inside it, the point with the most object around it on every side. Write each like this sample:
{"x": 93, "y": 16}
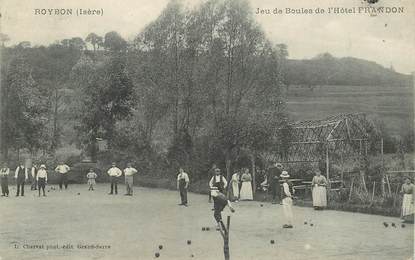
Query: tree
{"x": 23, "y": 118}
{"x": 114, "y": 42}
{"x": 105, "y": 97}
{"x": 77, "y": 43}
{"x": 95, "y": 40}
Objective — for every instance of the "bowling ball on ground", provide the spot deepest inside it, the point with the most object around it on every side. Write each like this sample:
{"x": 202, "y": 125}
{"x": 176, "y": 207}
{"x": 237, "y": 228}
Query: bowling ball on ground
{"x": 272, "y": 242}
{"x": 157, "y": 254}
{"x": 311, "y": 224}
{"x": 203, "y": 229}
{"x": 207, "y": 229}
{"x": 305, "y": 222}
{"x": 160, "y": 247}
{"x": 403, "y": 225}
{"x": 262, "y": 205}
{"x": 189, "y": 242}
{"x": 79, "y": 193}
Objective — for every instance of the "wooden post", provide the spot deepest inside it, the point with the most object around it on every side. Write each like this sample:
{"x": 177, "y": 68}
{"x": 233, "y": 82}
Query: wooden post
{"x": 351, "y": 189}
{"x": 226, "y": 239}
{"x": 253, "y": 174}
{"x": 373, "y": 192}
{"x": 327, "y": 165}
{"x": 382, "y": 169}
{"x": 389, "y": 185}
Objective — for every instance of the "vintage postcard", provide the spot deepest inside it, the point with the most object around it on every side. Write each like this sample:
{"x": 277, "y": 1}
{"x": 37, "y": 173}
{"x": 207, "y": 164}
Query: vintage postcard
{"x": 207, "y": 129}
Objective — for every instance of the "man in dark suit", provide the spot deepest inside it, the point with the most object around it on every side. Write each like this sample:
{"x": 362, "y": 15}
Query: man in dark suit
{"x": 273, "y": 178}
{"x": 20, "y": 176}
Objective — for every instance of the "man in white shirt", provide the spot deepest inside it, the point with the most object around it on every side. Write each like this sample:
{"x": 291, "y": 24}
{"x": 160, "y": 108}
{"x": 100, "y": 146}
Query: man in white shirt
{"x": 114, "y": 173}
{"x": 218, "y": 181}
{"x": 42, "y": 178}
{"x": 129, "y": 179}
{"x": 62, "y": 169}
{"x": 20, "y": 176}
{"x": 182, "y": 185}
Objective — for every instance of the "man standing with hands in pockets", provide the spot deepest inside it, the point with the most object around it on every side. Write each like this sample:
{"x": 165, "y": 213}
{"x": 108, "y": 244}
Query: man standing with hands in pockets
{"x": 182, "y": 185}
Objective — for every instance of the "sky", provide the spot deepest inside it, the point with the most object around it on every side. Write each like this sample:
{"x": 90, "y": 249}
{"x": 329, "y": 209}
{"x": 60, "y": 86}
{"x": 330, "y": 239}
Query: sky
{"x": 387, "y": 39}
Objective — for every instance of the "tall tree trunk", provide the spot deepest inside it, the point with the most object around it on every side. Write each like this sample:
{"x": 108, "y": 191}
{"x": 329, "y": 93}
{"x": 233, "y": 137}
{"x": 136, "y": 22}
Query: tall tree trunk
{"x": 253, "y": 173}
{"x": 228, "y": 163}
{"x": 55, "y": 128}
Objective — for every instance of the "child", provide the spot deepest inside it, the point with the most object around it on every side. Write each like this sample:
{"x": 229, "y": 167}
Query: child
{"x": 91, "y": 176}
{"x": 42, "y": 179}
{"x": 219, "y": 203}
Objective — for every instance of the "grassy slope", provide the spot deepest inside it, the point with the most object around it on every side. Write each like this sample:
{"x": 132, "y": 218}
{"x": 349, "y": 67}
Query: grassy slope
{"x": 394, "y": 106}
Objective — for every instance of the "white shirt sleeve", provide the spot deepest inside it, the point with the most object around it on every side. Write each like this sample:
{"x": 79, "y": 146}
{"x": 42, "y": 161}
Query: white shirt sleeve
{"x": 211, "y": 182}
{"x": 16, "y": 172}
{"x": 225, "y": 182}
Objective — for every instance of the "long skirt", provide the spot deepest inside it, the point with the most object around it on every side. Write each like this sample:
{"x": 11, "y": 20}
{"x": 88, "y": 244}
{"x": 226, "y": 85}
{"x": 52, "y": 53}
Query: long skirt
{"x": 319, "y": 196}
{"x": 246, "y": 191}
{"x": 407, "y": 208}
{"x": 287, "y": 204}
{"x": 235, "y": 190}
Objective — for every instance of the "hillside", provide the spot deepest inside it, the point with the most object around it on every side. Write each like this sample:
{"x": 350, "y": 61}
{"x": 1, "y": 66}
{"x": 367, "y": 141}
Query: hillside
{"x": 393, "y": 106}
{"x": 325, "y": 69}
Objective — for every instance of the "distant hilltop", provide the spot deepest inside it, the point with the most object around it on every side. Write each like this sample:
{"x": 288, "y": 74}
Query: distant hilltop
{"x": 324, "y": 69}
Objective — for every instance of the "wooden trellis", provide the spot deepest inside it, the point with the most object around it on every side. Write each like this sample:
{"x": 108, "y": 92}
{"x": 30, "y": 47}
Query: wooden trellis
{"x": 316, "y": 140}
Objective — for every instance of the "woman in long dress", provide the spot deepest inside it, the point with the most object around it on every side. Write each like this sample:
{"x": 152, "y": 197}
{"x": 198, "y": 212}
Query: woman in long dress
{"x": 408, "y": 190}
{"x": 287, "y": 202}
{"x": 319, "y": 192}
{"x": 246, "y": 189}
{"x": 235, "y": 186}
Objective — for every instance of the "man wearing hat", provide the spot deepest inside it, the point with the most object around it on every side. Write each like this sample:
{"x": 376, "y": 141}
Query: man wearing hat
{"x": 182, "y": 186}
{"x": 21, "y": 176}
{"x": 218, "y": 181}
{"x": 42, "y": 178}
{"x": 219, "y": 203}
{"x": 287, "y": 201}
{"x": 114, "y": 172}
{"x": 274, "y": 173}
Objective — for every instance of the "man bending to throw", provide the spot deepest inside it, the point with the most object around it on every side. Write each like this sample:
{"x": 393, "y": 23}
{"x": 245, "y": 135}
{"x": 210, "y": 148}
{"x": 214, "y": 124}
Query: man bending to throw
{"x": 219, "y": 203}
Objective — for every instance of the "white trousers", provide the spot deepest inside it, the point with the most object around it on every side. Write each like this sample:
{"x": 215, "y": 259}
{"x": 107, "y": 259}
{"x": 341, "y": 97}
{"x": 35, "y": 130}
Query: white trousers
{"x": 287, "y": 204}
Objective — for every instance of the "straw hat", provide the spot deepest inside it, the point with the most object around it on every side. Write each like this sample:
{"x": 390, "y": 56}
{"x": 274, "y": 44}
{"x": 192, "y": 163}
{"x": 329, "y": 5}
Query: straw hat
{"x": 43, "y": 166}
{"x": 284, "y": 174}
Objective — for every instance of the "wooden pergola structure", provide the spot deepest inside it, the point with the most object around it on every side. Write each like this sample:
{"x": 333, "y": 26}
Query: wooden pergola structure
{"x": 315, "y": 141}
